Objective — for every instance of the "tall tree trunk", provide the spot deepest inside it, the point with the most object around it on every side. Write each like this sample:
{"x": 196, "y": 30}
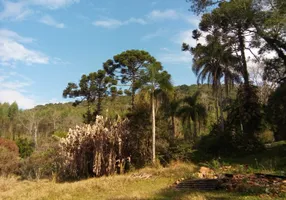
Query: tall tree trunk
{"x": 221, "y": 110}
{"x": 216, "y": 106}
{"x": 153, "y": 129}
{"x": 195, "y": 130}
{"x": 36, "y": 135}
{"x": 243, "y": 58}
{"x": 173, "y": 127}
{"x": 189, "y": 133}
{"x": 133, "y": 91}
{"x": 98, "y": 104}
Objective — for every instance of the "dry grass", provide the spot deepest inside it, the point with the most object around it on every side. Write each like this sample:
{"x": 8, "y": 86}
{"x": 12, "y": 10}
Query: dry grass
{"x": 148, "y": 183}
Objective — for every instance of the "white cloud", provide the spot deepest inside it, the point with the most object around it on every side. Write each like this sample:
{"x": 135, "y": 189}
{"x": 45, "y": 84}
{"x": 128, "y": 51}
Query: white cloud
{"x": 193, "y": 20}
{"x": 108, "y": 23}
{"x": 5, "y": 33}
{"x": 114, "y": 23}
{"x": 165, "y": 49}
{"x": 14, "y": 10}
{"x": 135, "y": 20}
{"x": 185, "y": 37}
{"x": 157, "y": 15}
{"x": 23, "y": 101}
{"x": 59, "y": 61}
{"x": 19, "y": 10}
{"x": 52, "y": 4}
{"x": 157, "y": 33}
{"x": 12, "y": 89}
{"x": 175, "y": 58}
{"x": 12, "y": 49}
{"x": 48, "y": 20}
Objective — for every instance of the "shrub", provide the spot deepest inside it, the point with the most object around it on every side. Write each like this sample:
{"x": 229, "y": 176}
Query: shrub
{"x": 276, "y": 112}
{"x": 266, "y": 136}
{"x": 43, "y": 163}
{"x": 10, "y": 145}
{"x": 9, "y": 161}
{"x": 181, "y": 150}
{"x": 229, "y": 143}
{"x": 25, "y": 146}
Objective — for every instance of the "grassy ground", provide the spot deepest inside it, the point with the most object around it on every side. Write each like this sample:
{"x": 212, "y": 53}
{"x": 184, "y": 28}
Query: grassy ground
{"x": 125, "y": 187}
{"x": 271, "y": 160}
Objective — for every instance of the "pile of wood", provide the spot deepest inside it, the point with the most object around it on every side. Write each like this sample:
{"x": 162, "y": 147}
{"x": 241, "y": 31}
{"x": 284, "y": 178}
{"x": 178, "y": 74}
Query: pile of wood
{"x": 257, "y": 183}
{"x": 270, "y": 184}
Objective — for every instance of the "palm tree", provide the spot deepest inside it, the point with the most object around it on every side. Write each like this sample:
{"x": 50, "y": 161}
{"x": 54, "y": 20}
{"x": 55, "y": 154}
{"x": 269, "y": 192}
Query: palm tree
{"x": 156, "y": 79}
{"x": 192, "y": 110}
{"x": 213, "y": 63}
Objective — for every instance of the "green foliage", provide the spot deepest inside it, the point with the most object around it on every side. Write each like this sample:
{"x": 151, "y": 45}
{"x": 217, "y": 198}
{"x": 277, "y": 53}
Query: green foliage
{"x": 181, "y": 150}
{"x": 45, "y": 162}
{"x": 191, "y": 109}
{"x": 60, "y": 134}
{"x": 276, "y": 112}
{"x": 139, "y": 137}
{"x": 92, "y": 88}
{"x": 266, "y": 136}
{"x": 228, "y": 144}
{"x": 129, "y": 67}
{"x": 26, "y": 147}
{"x": 246, "y": 114}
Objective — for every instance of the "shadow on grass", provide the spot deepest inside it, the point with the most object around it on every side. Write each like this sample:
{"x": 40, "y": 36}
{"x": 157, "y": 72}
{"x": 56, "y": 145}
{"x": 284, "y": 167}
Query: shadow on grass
{"x": 175, "y": 194}
{"x": 270, "y": 158}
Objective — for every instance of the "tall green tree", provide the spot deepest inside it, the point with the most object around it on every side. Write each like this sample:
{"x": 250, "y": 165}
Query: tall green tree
{"x": 263, "y": 21}
{"x": 192, "y": 110}
{"x": 91, "y": 88}
{"x": 233, "y": 21}
{"x": 156, "y": 79}
{"x": 129, "y": 67}
{"x": 12, "y": 114}
{"x": 215, "y": 63}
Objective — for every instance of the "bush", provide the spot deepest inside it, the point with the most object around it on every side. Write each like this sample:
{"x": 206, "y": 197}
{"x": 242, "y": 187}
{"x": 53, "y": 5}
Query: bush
{"x": 9, "y": 144}
{"x": 181, "y": 150}
{"x": 9, "y": 161}
{"x": 266, "y": 136}
{"x": 229, "y": 143}
{"x": 9, "y": 157}
{"x": 276, "y": 112}
{"x": 43, "y": 163}
{"x": 25, "y": 146}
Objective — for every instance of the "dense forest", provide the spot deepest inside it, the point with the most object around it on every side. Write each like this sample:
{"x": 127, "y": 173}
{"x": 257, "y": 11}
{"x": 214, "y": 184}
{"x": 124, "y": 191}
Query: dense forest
{"x": 233, "y": 110}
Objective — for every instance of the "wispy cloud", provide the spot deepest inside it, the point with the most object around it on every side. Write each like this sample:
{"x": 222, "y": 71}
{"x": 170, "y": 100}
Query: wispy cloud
{"x": 108, "y": 23}
{"x": 114, "y": 23}
{"x": 12, "y": 49}
{"x": 163, "y": 15}
{"x": 50, "y": 21}
{"x": 19, "y": 10}
{"x": 171, "y": 14}
{"x": 175, "y": 58}
{"x": 52, "y": 4}
{"x": 157, "y": 33}
{"x": 14, "y": 11}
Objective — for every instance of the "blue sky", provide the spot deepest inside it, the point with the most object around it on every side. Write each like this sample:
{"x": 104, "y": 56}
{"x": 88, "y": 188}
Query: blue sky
{"x": 44, "y": 44}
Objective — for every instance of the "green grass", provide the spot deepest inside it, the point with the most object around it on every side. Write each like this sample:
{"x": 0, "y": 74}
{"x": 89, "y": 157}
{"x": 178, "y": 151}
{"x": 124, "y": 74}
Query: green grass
{"x": 159, "y": 186}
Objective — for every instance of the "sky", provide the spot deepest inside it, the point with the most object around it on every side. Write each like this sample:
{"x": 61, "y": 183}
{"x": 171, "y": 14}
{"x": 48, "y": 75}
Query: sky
{"x": 45, "y": 44}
